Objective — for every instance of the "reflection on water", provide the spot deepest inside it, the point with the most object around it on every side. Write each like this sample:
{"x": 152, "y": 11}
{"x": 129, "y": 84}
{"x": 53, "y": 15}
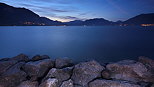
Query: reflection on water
{"x": 79, "y": 43}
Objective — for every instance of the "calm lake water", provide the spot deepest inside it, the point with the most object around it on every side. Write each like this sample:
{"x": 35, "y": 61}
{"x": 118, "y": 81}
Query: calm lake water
{"x": 105, "y": 44}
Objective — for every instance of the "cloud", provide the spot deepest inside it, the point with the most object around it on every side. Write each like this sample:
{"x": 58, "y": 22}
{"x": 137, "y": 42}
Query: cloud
{"x": 64, "y": 18}
{"x": 69, "y": 17}
{"x": 44, "y": 9}
{"x": 57, "y": 1}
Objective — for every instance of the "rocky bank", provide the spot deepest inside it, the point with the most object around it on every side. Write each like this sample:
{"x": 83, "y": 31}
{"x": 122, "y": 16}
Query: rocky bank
{"x": 42, "y": 71}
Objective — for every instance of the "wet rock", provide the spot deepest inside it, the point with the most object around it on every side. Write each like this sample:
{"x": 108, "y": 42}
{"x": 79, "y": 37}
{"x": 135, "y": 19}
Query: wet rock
{"x": 86, "y": 72}
{"x": 13, "y": 76}
{"x": 68, "y": 83}
{"x": 38, "y": 57}
{"x": 111, "y": 83}
{"x": 20, "y": 57}
{"x": 37, "y": 69}
{"x": 63, "y": 62}
{"x": 51, "y": 82}
{"x": 29, "y": 84}
{"x": 130, "y": 70}
{"x": 60, "y": 74}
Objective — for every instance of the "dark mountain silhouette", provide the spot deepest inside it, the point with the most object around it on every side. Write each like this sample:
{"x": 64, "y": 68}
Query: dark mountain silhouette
{"x": 20, "y": 16}
{"x": 141, "y": 19}
{"x": 10, "y": 16}
{"x": 118, "y": 22}
{"x": 74, "y": 23}
{"x": 90, "y": 22}
{"x": 97, "y": 22}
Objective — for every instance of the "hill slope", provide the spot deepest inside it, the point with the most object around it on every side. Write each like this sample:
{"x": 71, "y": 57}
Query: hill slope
{"x": 20, "y": 16}
{"x": 141, "y": 19}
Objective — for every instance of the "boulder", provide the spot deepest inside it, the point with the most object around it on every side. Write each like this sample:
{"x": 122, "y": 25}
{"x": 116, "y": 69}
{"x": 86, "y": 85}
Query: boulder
{"x": 130, "y": 70}
{"x": 86, "y": 72}
{"x": 60, "y": 74}
{"x": 45, "y": 57}
{"x": 4, "y": 59}
{"x": 20, "y": 57}
{"x": 5, "y": 65}
{"x": 68, "y": 83}
{"x": 63, "y": 62}
{"x": 111, "y": 83}
{"x": 38, "y": 57}
{"x": 149, "y": 63}
{"x": 28, "y": 84}
{"x": 37, "y": 69}
{"x": 51, "y": 82}
{"x": 13, "y": 76}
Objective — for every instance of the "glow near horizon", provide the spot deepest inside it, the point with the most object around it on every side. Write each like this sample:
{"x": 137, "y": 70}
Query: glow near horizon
{"x": 68, "y": 10}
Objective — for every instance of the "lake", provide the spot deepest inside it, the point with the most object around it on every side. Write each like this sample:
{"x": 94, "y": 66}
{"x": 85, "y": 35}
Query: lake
{"x": 101, "y": 43}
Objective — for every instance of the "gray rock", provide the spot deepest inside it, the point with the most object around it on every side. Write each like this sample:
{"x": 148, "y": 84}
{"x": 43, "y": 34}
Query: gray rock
{"x": 68, "y": 83}
{"x": 86, "y": 72}
{"x": 38, "y": 57}
{"x": 149, "y": 63}
{"x": 51, "y": 82}
{"x": 63, "y": 62}
{"x": 60, "y": 74}
{"x": 13, "y": 76}
{"x": 111, "y": 83}
{"x": 45, "y": 57}
{"x": 38, "y": 68}
{"x": 20, "y": 57}
{"x": 130, "y": 70}
{"x": 4, "y": 59}
{"x": 29, "y": 84}
{"x": 5, "y": 65}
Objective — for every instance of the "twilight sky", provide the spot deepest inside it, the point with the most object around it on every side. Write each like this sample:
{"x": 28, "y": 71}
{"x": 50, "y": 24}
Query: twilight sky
{"x": 67, "y": 10}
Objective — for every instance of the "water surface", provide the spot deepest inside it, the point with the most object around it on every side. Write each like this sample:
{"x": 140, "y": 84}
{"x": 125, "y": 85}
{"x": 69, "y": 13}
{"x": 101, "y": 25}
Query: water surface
{"x": 106, "y": 44}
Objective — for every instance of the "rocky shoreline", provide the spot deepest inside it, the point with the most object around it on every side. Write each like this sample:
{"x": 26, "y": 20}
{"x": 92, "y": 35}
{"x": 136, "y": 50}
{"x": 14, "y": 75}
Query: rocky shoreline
{"x": 42, "y": 71}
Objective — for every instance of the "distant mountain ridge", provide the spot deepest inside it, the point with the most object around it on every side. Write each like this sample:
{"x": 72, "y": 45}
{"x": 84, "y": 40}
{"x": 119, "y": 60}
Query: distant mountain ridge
{"x": 12, "y": 16}
{"x": 89, "y": 22}
{"x": 20, "y": 16}
{"x": 141, "y": 19}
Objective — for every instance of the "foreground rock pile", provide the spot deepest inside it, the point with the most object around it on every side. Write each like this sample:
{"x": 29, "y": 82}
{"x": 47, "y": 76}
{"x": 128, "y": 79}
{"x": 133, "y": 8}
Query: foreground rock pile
{"x": 41, "y": 71}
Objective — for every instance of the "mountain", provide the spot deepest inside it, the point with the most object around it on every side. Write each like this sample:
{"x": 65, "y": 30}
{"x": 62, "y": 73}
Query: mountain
{"x": 97, "y": 22}
{"x": 74, "y": 23}
{"x": 10, "y": 16}
{"x": 20, "y": 16}
{"x": 141, "y": 19}
{"x": 90, "y": 22}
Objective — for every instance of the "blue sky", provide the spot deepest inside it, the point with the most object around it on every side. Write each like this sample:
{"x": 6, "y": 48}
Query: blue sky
{"x": 68, "y": 10}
